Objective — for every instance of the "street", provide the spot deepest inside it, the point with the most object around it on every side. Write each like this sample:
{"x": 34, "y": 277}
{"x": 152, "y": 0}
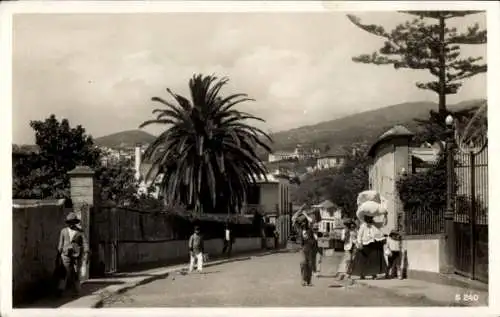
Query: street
{"x": 272, "y": 280}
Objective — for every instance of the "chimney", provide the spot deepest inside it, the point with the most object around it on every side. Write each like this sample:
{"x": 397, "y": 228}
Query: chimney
{"x": 137, "y": 161}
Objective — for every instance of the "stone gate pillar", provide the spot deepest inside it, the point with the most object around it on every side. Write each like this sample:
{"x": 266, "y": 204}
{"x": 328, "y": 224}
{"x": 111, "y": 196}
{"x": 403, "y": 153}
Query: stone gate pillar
{"x": 390, "y": 157}
{"x": 84, "y": 194}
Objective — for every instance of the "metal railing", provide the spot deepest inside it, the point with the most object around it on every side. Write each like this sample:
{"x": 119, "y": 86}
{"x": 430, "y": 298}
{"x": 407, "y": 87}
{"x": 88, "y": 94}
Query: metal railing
{"x": 423, "y": 220}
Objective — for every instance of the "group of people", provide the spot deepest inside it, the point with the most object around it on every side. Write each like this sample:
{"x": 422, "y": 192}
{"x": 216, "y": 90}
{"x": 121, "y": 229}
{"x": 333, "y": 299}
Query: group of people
{"x": 367, "y": 250}
{"x": 196, "y": 247}
{"x": 73, "y": 251}
{"x": 197, "y": 253}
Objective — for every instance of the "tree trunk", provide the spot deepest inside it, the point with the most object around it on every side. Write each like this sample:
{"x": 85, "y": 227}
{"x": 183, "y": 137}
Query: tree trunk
{"x": 442, "y": 66}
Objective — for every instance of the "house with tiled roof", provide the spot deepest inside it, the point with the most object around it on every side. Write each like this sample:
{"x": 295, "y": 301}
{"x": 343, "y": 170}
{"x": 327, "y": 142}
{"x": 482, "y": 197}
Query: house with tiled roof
{"x": 333, "y": 158}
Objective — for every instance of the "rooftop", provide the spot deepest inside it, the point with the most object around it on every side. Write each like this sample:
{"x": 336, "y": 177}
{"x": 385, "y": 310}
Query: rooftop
{"x": 397, "y": 131}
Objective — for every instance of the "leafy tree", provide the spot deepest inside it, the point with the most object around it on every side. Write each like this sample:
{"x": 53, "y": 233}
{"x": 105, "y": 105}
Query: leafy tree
{"x": 118, "y": 184}
{"x": 60, "y": 149}
{"x": 434, "y": 128}
{"x": 207, "y": 153}
{"x": 353, "y": 180}
{"x": 43, "y": 173}
{"x": 326, "y": 148}
{"x": 341, "y": 185}
{"x": 414, "y": 188}
{"x": 434, "y": 47}
{"x": 414, "y": 191}
{"x": 312, "y": 189}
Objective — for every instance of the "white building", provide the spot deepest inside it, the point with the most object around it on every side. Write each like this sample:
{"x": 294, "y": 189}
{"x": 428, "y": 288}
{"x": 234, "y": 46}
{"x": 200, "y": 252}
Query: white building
{"x": 300, "y": 153}
{"x": 331, "y": 159}
{"x": 270, "y": 197}
{"x": 330, "y": 215}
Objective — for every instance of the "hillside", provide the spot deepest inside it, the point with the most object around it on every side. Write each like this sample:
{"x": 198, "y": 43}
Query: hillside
{"x": 356, "y": 128}
{"x": 125, "y": 139}
{"x": 360, "y": 127}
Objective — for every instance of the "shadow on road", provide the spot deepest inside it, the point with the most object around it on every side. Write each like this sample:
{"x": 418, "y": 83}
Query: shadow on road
{"x": 209, "y": 272}
{"x": 127, "y": 275}
{"x": 53, "y": 301}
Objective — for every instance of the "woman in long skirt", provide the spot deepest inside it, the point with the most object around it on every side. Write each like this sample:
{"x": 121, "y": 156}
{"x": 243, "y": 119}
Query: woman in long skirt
{"x": 369, "y": 259}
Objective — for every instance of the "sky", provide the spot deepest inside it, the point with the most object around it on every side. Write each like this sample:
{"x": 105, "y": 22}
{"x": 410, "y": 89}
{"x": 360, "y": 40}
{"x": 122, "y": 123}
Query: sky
{"x": 101, "y": 70}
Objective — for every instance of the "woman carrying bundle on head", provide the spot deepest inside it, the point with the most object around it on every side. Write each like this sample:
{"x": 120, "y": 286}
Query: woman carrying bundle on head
{"x": 370, "y": 240}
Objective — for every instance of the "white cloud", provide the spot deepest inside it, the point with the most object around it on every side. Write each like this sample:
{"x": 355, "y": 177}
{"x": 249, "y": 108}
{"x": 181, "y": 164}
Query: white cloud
{"x": 101, "y": 71}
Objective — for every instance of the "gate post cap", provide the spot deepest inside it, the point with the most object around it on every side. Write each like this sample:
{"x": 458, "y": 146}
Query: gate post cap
{"x": 81, "y": 171}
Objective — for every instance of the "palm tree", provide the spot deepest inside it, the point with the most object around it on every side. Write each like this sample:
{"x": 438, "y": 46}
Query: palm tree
{"x": 207, "y": 153}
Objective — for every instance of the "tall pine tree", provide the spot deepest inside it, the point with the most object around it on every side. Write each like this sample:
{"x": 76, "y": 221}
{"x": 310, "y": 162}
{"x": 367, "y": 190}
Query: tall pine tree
{"x": 426, "y": 43}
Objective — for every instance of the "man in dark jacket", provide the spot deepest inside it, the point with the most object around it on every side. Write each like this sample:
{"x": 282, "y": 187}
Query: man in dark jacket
{"x": 196, "y": 250}
{"x": 309, "y": 249}
{"x": 73, "y": 248}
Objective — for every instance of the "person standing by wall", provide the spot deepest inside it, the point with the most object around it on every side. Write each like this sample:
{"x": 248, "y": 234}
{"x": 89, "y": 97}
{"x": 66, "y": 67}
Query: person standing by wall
{"x": 73, "y": 249}
{"x": 196, "y": 248}
{"x": 228, "y": 241}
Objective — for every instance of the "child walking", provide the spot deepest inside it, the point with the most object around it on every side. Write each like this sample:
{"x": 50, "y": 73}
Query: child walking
{"x": 349, "y": 234}
{"x": 393, "y": 251}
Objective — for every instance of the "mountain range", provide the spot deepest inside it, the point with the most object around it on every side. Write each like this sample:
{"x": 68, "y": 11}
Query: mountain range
{"x": 356, "y": 128}
{"x": 361, "y": 127}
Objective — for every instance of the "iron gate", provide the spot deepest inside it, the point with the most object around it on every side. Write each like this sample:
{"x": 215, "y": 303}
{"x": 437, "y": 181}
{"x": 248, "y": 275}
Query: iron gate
{"x": 471, "y": 215}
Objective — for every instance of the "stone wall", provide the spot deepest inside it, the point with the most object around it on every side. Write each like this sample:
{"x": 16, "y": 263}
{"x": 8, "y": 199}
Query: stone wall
{"x": 426, "y": 253}
{"x": 35, "y": 235}
{"x": 134, "y": 254}
{"x": 130, "y": 238}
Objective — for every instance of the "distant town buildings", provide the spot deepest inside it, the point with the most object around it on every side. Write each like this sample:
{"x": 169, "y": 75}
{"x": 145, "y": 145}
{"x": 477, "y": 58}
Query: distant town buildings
{"x": 300, "y": 153}
{"x": 331, "y": 159}
{"x": 112, "y": 156}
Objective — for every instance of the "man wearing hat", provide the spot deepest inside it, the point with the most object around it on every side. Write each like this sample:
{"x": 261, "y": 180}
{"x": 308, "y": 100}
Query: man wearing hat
{"x": 73, "y": 249}
{"x": 196, "y": 250}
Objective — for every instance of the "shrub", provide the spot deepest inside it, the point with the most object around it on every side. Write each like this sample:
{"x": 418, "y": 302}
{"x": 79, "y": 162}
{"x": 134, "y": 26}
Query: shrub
{"x": 414, "y": 190}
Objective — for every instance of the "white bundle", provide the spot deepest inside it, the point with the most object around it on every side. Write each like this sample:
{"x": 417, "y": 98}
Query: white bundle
{"x": 368, "y": 195}
{"x": 371, "y": 209}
